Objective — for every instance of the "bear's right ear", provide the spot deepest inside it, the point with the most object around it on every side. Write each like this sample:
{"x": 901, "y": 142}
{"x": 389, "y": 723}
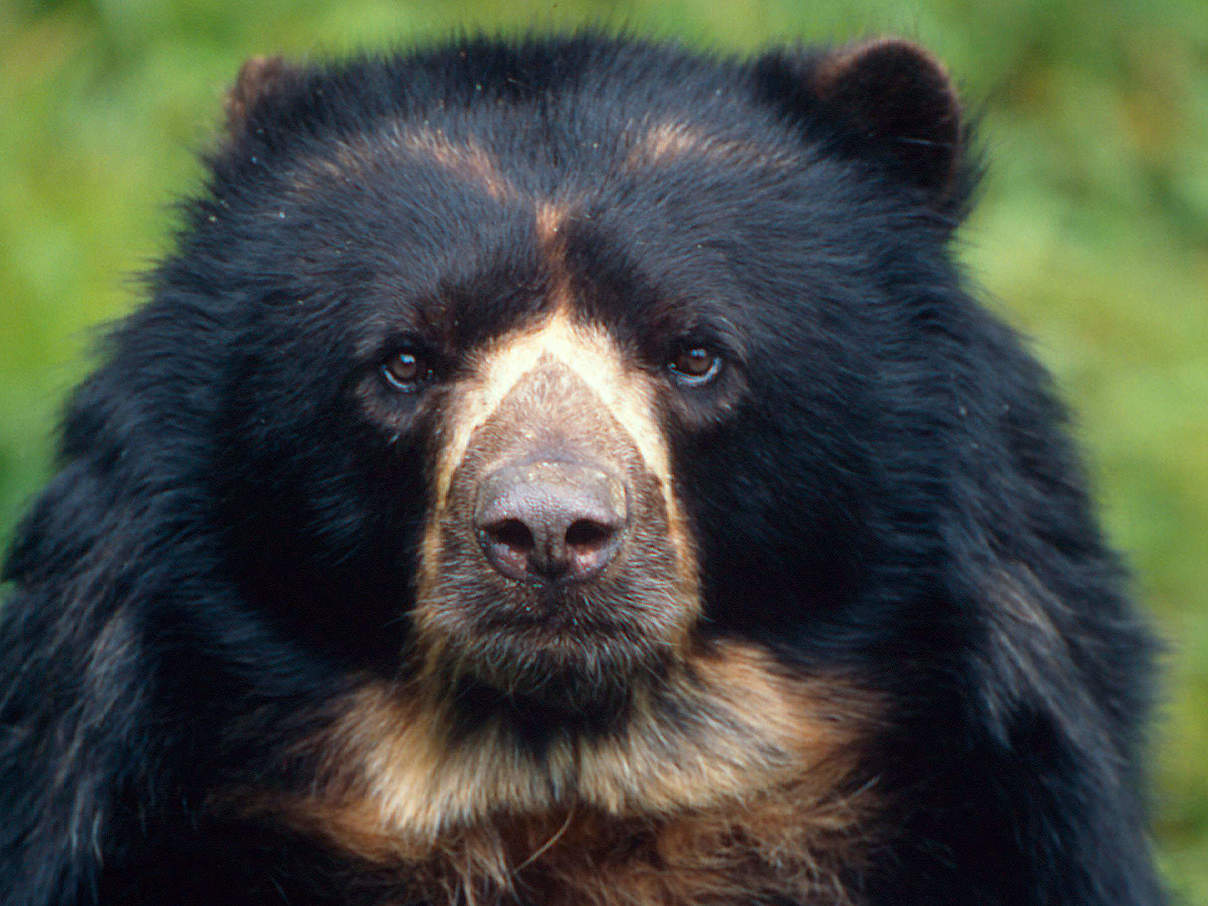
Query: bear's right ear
{"x": 258, "y": 79}
{"x": 887, "y": 99}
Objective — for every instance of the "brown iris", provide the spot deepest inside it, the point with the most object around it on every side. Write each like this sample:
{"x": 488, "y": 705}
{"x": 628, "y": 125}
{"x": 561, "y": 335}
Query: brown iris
{"x": 695, "y": 365}
{"x": 405, "y": 370}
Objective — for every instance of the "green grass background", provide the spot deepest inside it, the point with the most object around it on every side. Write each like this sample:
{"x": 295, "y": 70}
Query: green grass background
{"x": 1092, "y": 235}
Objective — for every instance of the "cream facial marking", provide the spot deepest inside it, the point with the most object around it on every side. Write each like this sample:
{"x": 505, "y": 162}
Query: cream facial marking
{"x": 391, "y": 763}
{"x": 549, "y": 222}
{"x": 667, "y": 142}
{"x": 466, "y": 159}
{"x": 590, "y": 353}
{"x": 594, "y": 390}
{"x": 359, "y": 156}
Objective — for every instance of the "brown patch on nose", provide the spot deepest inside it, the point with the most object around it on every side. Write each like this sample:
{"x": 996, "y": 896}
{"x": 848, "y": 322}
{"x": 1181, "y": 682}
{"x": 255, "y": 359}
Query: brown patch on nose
{"x": 626, "y": 395}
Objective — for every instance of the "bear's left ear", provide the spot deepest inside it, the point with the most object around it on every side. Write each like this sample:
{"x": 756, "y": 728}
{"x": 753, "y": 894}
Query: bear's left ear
{"x": 887, "y": 99}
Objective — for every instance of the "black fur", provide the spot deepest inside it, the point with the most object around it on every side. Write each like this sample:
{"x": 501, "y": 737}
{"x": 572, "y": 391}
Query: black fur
{"x": 882, "y": 482}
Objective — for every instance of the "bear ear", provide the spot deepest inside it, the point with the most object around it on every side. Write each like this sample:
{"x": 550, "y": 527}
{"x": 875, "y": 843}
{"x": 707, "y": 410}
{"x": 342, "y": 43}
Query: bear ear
{"x": 889, "y": 99}
{"x": 259, "y": 78}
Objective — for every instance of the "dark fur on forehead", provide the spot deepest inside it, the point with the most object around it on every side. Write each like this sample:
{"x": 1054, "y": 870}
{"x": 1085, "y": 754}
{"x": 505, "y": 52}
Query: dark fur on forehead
{"x": 895, "y": 99}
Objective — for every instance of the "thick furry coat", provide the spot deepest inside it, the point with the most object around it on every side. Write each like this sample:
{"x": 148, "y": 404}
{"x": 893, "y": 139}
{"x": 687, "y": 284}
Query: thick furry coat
{"x": 833, "y": 623}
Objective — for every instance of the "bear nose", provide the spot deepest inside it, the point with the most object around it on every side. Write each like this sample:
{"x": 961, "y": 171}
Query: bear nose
{"x": 550, "y": 521}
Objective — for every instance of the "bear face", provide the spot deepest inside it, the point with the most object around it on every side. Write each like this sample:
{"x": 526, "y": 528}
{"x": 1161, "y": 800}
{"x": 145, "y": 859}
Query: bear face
{"x": 593, "y": 244}
{"x": 570, "y": 471}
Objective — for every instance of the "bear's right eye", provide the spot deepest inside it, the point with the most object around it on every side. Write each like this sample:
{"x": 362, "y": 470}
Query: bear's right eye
{"x": 406, "y": 370}
{"x": 695, "y": 365}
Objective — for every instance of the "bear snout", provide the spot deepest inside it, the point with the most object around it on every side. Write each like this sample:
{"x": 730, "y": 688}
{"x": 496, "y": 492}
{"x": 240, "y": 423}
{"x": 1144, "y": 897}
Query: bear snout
{"x": 550, "y": 521}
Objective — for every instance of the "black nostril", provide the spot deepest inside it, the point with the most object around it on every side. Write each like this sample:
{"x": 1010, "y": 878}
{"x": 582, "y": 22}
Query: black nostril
{"x": 550, "y": 521}
{"x": 511, "y": 533}
{"x": 586, "y": 536}
{"x": 589, "y": 546}
{"x": 508, "y": 544}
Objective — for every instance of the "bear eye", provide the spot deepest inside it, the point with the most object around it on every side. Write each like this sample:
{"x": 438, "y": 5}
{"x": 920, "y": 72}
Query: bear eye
{"x": 695, "y": 365}
{"x": 406, "y": 370}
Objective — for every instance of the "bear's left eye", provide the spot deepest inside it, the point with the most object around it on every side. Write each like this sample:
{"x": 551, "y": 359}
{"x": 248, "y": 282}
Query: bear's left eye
{"x": 406, "y": 370}
{"x": 695, "y": 365}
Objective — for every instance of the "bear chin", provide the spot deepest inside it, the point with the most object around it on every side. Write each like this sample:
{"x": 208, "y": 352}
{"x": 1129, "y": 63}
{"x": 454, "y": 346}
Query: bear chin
{"x": 564, "y": 666}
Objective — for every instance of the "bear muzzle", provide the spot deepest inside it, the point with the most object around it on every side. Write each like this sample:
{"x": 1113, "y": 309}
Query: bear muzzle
{"x": 555, "y": 562}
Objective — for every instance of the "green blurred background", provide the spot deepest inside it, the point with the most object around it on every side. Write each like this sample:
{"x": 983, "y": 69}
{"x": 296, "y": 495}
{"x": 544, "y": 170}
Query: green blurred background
{"x": 1092, "y": 235}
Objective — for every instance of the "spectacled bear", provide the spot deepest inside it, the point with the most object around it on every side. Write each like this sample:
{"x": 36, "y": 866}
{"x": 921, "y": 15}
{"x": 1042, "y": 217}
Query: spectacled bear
{"x": 572, "y": 471}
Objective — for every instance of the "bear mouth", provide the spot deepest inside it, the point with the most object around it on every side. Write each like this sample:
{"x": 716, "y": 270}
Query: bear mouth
{"x": 557, "y": 613}
{"x": 565, "y": 649}
{"x": 564, "y": 645}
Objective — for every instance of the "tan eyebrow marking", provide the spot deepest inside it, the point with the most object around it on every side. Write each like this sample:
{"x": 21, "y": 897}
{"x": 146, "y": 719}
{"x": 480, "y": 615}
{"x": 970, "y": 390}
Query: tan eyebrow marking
{"x": 466, "y": 159}
{"x": 359, "y": 156}
{"x": 669, "y": 141}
